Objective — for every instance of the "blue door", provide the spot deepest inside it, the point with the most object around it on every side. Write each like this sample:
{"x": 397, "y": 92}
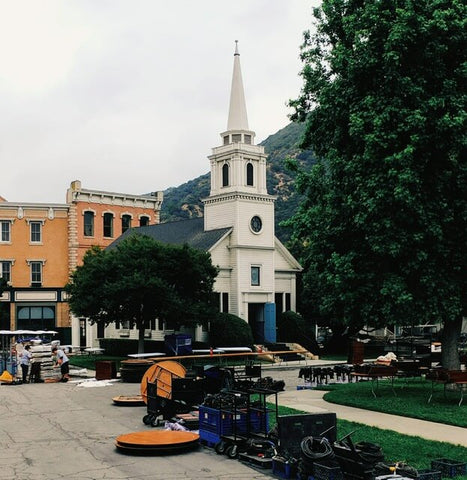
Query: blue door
{"x": 270, "y": 323}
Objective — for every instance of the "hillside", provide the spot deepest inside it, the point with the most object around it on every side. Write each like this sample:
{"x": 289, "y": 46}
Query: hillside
{"x": 184, "y": 201}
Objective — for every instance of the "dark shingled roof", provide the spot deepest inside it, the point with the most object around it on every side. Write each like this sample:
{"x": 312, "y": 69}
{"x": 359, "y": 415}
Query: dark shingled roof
{"x": 190, "y": 232}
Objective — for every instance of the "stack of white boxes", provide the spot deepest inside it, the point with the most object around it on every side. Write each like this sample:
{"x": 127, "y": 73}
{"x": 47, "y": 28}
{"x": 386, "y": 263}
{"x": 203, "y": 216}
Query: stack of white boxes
{"x": 43, "y": 354}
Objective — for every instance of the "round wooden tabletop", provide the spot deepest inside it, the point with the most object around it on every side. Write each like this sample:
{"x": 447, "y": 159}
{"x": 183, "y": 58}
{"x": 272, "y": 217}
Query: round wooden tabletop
{"x": 163, "y": 372}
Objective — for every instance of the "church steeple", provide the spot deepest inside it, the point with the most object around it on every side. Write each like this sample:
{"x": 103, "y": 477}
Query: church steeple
{"x": 238, "y": 119}
{"x": 238, "y": 169}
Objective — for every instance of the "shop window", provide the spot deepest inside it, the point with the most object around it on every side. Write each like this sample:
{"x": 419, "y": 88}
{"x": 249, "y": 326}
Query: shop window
{"x": 88, "y": 224}
{"x": 225, "y": 175}
{"x": 108, "y": 225}
{"x": 249, "y": 174}
{"x": 126, "y": 223}
{"x": 5, "y": 231}
{"x": 35, "y": 318}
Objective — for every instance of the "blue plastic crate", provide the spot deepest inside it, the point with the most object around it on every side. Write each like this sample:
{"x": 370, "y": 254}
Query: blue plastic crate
{"x": 259, "y": 421}
{"x": 449, "y": 468}
{"x": 210, "y": 438}
{"x": 222, "y": 422}
{"x": 283, "y": 470}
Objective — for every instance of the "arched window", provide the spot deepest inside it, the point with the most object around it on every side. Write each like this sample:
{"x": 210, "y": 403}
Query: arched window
{"x": 249, "y": 174}
{"x": 143, "y": 221}
{"x": 88, "y": 224}
{"x": 108, "y": 225}
{"x": 126, "y": 222}
{"x": 225, "y": 175}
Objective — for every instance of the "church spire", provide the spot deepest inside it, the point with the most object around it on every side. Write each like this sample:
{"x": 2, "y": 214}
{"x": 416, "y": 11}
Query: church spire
{"x": 238, "y": 119}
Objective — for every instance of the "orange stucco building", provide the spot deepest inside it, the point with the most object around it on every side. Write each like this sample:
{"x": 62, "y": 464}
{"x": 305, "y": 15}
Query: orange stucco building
{"x": 41, "y": 244}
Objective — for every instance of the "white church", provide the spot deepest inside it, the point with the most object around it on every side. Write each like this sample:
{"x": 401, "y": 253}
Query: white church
{"x": 257, "y": 274}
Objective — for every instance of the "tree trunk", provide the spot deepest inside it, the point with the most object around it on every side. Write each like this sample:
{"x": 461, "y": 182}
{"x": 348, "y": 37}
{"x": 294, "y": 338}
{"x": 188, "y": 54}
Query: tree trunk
{"x": 141, "y": 338}
{"x": 449, "y": 344}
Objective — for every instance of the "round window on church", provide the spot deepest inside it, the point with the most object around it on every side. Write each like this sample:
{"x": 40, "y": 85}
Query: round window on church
{"x": 256, "y": 224}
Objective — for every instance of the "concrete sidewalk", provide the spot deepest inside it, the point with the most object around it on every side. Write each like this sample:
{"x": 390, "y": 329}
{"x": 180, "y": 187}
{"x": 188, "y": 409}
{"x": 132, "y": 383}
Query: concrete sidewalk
{"x": 312, "y": 401}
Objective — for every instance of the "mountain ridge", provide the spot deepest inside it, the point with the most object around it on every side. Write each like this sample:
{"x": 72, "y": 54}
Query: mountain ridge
{"x": 184, "y": 201}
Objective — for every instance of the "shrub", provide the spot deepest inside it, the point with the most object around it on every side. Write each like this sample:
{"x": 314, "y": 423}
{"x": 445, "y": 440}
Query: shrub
{"x": 121, "y": 347}
{"x": 291, "y": 327}
{"x": 228, "y": 330}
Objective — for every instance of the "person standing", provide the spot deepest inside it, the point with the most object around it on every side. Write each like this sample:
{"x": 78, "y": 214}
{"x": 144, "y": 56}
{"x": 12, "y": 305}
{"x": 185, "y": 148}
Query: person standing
{"x": 25, "y": 360}
{"x": 62, "y": 361}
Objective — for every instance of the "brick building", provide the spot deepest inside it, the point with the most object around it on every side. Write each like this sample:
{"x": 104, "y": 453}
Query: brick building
{"x": 41, "y": 244}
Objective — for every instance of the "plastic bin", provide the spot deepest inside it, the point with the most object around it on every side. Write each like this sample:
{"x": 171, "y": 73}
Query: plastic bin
{"x": 449, "y": 468}
{"x": 221, "y": 422}
{"x": 283, "y": 469}
{"x": 428, "y": 474}
{"x": 178, "y": 344}
{"x": 325, "y": 472}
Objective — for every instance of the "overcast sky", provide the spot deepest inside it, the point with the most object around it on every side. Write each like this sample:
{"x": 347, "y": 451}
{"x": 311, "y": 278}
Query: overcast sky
{"x": 131, "y": 95}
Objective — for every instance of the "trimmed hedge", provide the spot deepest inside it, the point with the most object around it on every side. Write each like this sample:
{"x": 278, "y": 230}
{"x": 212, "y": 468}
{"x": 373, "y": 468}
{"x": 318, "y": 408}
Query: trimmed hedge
{"x": 121, "y": 347}
{"x": 228, "y": 330}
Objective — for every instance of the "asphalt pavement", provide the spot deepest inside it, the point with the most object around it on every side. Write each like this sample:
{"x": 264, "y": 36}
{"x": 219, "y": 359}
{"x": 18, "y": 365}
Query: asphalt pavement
{"x": 64, "y": 430}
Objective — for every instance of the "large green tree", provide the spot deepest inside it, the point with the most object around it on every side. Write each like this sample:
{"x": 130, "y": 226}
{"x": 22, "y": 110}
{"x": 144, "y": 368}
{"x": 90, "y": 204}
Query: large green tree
{"x": 382, "y": 230}
{"x": 140, "y": 280}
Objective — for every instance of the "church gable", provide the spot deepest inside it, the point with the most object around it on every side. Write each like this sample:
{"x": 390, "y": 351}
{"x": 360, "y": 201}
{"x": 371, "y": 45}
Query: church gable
{"x": 283, "y": 259}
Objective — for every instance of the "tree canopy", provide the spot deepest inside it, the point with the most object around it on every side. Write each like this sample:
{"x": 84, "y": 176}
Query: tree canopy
{"x": 382, "y": 228}
{"x": 139, "y": 280}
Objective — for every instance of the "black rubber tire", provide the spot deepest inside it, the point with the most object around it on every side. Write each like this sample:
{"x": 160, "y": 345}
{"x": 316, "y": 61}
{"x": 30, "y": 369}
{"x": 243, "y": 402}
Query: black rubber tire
{"x": 220, "y": 447}
{"x": 147, "y": 419}
{"x": 232, "y": 451}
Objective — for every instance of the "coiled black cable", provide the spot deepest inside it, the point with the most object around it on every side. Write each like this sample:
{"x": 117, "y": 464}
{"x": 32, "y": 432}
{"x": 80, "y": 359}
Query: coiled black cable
{"x": 314, "y": 449}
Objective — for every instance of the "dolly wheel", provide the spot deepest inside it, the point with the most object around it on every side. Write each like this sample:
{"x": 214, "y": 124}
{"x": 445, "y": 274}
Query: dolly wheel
{"x": 147, "y": 419}
{"x": 220, "y": 447}
{"x": 232, "y": 451}
{"x": 155, "y": 422}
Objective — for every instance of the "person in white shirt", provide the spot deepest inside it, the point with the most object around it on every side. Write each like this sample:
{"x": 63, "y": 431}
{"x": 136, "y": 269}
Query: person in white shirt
{"x": 62, "y": 361}
{"x": 25, "y": 360}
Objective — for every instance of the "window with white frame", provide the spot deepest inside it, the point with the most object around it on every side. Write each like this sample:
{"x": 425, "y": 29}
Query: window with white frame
{"x": 108, "y": 225}
{"x": 36, "y": 232}
{"x": 249, "y": 174}
{"x": 225, "y": 175}
{"x": 5, "y": 231}
{"x": 36, "y": 273}
{"x": 255, "y": 276}
{"x": 5, "y": 270}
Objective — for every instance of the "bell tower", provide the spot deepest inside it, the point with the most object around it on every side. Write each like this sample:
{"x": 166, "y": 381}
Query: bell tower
{"x": 238, "y": 197}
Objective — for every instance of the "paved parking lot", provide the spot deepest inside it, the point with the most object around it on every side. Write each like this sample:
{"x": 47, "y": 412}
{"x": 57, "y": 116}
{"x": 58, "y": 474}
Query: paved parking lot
{"x": 62, "y": 431}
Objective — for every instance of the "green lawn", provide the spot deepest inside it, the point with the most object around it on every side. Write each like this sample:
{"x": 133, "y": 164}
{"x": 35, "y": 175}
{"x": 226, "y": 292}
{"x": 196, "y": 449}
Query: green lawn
{"x": 411, "y": 400}
{"x": 89, "y": 361}
{"x": 415, "y": 451}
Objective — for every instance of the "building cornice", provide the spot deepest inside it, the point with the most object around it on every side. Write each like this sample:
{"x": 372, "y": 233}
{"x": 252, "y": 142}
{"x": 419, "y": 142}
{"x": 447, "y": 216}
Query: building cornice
{"x": 223, "y": 197}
